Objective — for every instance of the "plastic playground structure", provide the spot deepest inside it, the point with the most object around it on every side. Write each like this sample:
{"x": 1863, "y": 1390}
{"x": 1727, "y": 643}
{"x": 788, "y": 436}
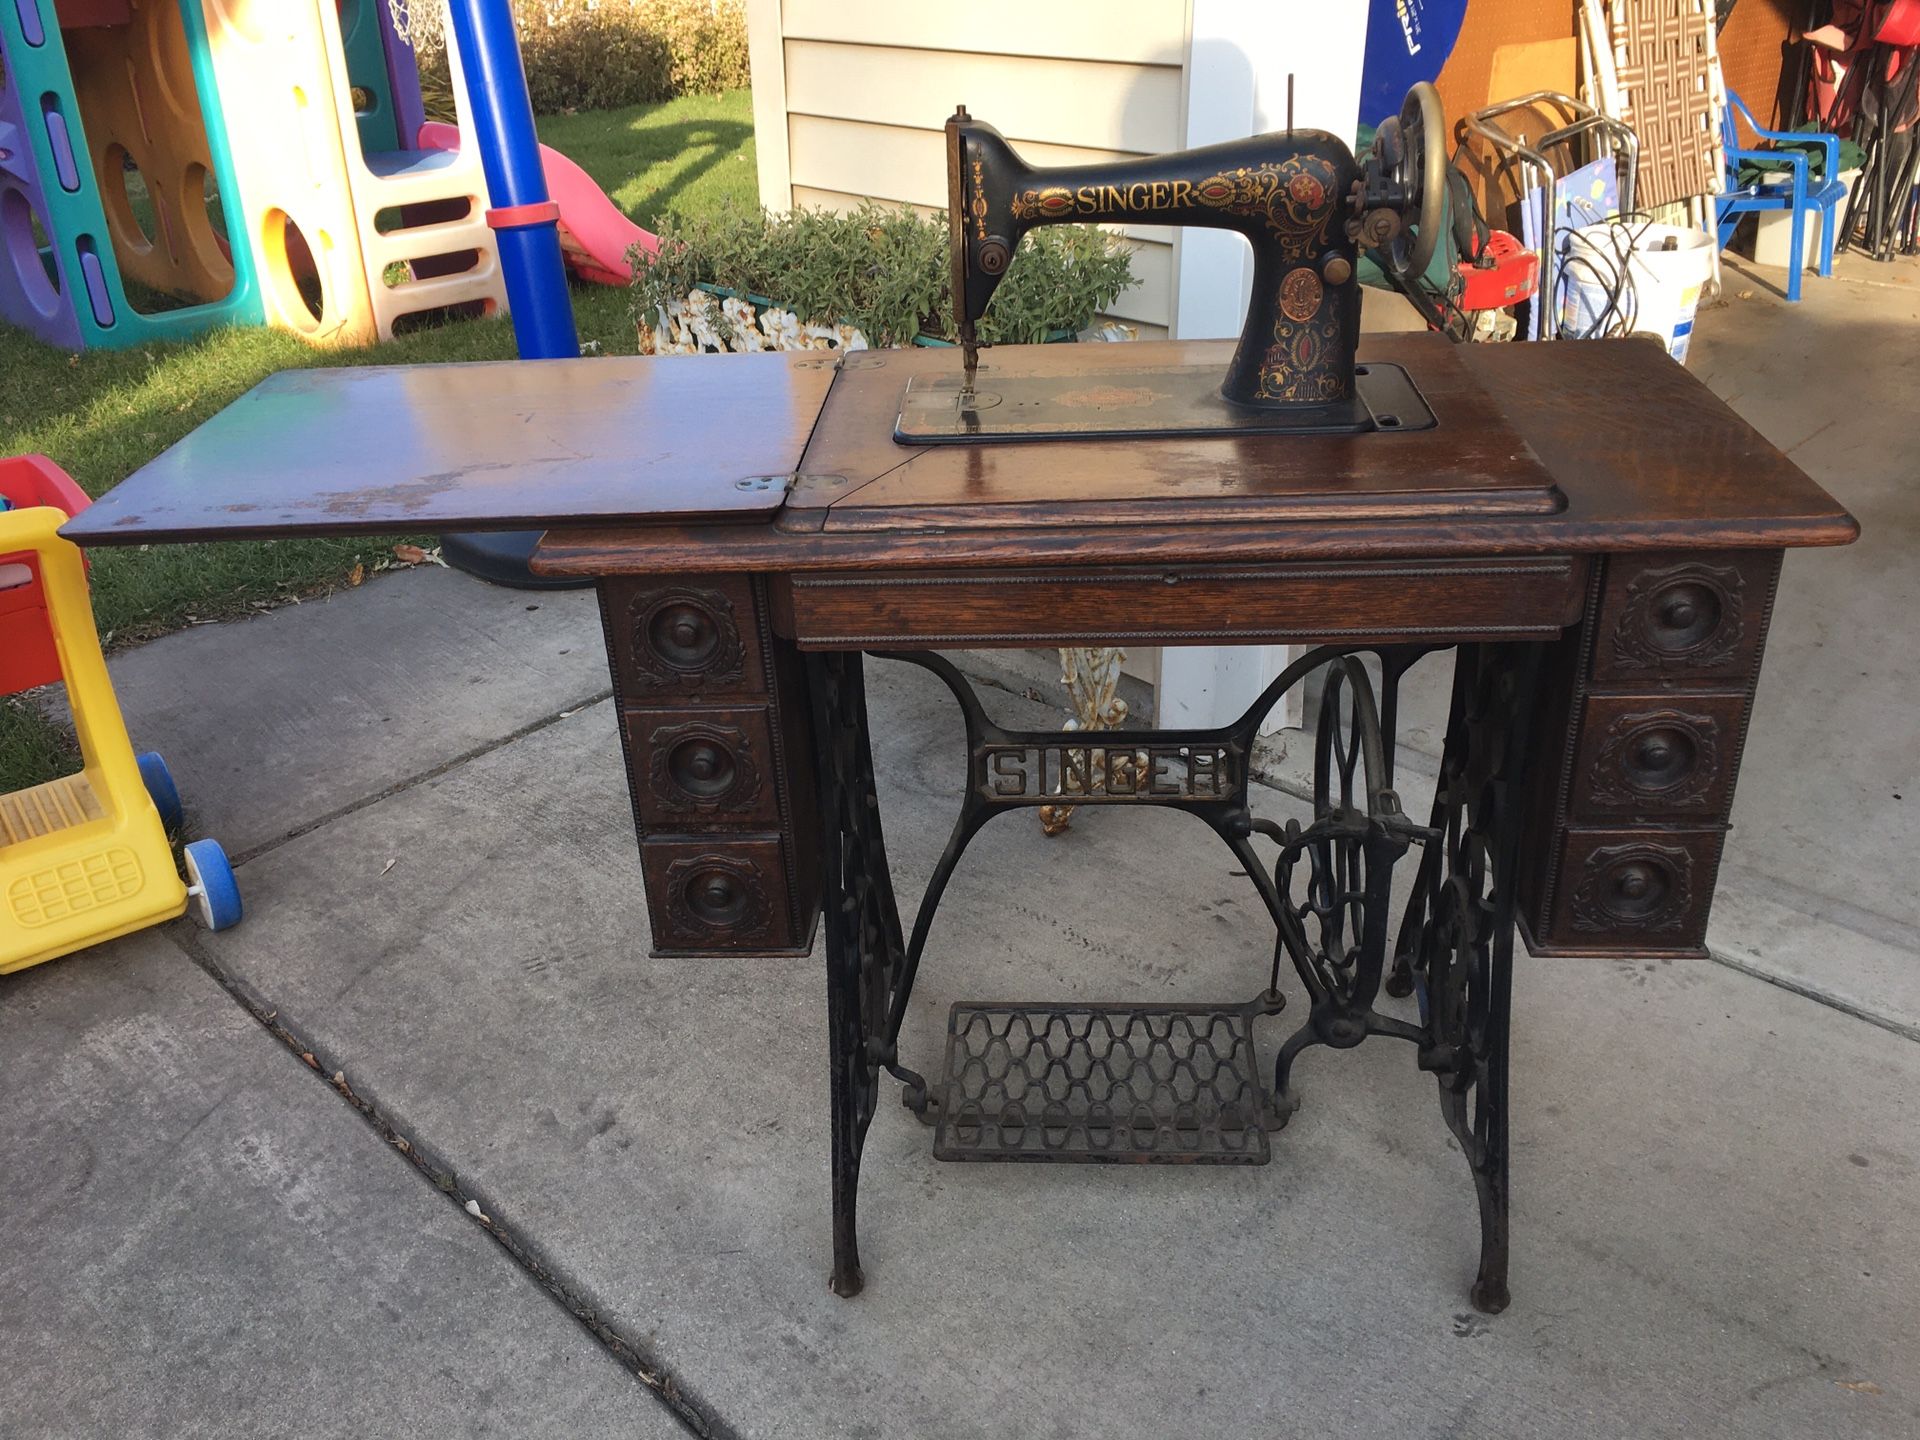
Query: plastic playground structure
{"x": 167, "y": 166}
{"x": 595, "y": 234}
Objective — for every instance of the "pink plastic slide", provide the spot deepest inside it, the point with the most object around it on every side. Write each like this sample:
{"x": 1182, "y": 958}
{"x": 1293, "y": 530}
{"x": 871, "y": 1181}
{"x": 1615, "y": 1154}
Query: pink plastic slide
{"x": 594, "y": 235}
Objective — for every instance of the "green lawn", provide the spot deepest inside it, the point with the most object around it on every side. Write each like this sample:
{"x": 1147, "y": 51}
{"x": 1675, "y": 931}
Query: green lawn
{"x": 103, "y": 414}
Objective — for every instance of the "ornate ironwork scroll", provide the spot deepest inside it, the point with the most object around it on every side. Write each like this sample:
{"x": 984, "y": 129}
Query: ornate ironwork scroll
{"x": 1333, "y": 878}
{"x": 1456, "y": 937}
{"x": 1328, "y": 894}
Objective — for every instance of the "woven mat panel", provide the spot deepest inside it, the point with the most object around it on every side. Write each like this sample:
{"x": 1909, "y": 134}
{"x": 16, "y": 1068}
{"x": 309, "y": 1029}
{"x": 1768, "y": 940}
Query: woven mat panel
{"x": 1662, "y": 53}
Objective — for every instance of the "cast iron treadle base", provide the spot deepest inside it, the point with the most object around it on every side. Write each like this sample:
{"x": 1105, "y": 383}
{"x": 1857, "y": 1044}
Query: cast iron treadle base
{"x": 1103, "y": 1084}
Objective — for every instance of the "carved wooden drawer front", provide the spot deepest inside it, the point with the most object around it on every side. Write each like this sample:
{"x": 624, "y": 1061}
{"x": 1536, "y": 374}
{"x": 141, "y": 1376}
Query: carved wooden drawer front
{"x": 704, "y": 766}
{"x": 1663, "y": 757}
{"x": 714, "y": 724}
{"x": 1628, "y": 891}
{"x": 1679, "y": 619}
{"x": 1642, "y": 726}
{"x": 718, "y": 895}
{"x": 1498, "y": 598}
{"x": 674, "y": 638}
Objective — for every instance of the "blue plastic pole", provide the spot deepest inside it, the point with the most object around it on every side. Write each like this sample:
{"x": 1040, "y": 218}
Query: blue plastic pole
{"x": 525, "y": 221}
{"x": 526, "y": 230}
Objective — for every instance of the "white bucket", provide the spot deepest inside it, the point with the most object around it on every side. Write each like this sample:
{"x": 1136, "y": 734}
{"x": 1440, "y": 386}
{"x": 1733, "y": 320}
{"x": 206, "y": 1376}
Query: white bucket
{"x": 1773, "y": 230}
{"x": 1618, "y": 279}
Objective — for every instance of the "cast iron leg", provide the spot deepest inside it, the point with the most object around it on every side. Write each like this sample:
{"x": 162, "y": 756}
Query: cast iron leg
{"x": 1490, "y": 1295}
{"x": 1516, "y": 692}
{"x": 1285, "y": 1101}
{"x": 1485, "y": 1124}
{"x": 865, "y": 956}
{"x": 1463, "y": 957}
{"x": 843, "y": 1048}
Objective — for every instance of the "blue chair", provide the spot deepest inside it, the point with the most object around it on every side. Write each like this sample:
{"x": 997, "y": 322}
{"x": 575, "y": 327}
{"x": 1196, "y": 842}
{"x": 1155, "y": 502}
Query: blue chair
{"x": 1773, "y": 192}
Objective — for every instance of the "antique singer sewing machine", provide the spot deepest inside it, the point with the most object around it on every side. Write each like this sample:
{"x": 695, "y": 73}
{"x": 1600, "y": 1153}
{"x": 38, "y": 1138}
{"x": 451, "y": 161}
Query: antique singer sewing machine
{"x": 1594, "y": 536}
{"x": 1306, "y": 207}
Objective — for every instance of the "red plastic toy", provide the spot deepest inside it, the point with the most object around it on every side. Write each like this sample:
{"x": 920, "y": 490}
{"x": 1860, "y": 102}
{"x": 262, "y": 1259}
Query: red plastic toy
{"x": 27, "y": 654}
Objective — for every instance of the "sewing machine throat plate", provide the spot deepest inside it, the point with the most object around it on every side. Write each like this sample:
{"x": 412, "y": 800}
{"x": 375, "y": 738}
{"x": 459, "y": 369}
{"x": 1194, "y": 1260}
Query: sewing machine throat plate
{"x": 1147, "y": 402}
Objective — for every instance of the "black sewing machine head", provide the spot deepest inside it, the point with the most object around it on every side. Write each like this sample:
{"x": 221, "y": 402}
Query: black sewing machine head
{"x": 1308, "y": 207}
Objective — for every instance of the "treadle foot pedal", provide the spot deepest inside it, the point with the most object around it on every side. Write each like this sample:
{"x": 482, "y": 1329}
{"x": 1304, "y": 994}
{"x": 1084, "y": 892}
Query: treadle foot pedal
{"x": 1104, "y": 1084}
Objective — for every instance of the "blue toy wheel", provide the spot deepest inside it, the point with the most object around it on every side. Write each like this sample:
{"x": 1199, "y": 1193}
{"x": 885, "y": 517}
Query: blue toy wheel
{"x": 214, "y": 893}
{"x": 160, "y": 787}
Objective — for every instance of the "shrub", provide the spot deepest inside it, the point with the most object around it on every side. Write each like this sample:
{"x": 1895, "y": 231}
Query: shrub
{"x": 882, "y": 269}
{"x": 599, "y": 54}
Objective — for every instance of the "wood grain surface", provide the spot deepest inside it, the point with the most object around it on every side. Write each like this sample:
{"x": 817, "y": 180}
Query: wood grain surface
{"x": 508, "y": 445}
{"x": 1511, "y": 599}
{"x": 1473, "y": 461}
{"x": 1647, "y": 457}
{"x": 677, "y": 464}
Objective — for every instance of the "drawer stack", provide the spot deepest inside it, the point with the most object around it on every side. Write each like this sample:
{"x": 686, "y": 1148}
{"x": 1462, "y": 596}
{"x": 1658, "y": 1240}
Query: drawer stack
{"x": 715, "y": 731}
{"x": 1646, "y": 716}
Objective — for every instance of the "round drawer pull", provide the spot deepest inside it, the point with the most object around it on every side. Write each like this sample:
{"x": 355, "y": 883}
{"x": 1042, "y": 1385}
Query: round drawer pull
{"x": 717, "y": 897}
{"x": 1639, "y": 885}
{"x": 716, "y": 891}
{"x": 684, "y": 635}
{"x": 1638, "y": 889}
{"x": 703, "y": 764}
{"x": 1656, "y": 760}
{"x": 702, "y": 767}
{"x": 1660, "y": 757}
{"x": 1685, "y": 615}
{"x": 1681, "y": 617}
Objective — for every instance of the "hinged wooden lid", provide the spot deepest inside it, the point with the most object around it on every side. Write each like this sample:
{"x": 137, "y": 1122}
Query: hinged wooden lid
{"x": 509, "y": 446}
{"x": 1472, "y": 462}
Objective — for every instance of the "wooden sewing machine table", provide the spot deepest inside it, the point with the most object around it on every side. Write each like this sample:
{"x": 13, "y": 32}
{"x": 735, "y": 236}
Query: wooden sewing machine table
{"x": 1596, "y": 535}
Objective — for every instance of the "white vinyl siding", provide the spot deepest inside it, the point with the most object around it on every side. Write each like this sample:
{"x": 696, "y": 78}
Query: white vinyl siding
{"x": 864, "y": 87}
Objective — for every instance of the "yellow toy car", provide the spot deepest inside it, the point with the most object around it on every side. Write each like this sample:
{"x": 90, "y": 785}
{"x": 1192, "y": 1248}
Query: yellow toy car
{"x": 83, "y": 858}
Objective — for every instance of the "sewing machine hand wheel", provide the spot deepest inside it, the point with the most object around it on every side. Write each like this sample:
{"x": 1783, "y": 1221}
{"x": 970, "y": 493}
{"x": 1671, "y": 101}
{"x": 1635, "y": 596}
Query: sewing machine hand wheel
{"x": 1412, "y": 153}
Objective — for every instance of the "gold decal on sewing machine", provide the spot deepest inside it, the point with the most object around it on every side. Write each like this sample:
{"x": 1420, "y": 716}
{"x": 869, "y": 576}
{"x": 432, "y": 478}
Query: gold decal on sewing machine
{"x": 1108, "y": 397}
{"x": 1293, "y": 197}
{"x": 980, "y": 202}
{"x": 1017, "y": 771}
{"x": 1141, "y": 195}
{"x": 1300, "y": 294}
{"x": 1307, "y": 190}
{"x": 1288, "y": 369}
{"x": 1047, "y": 204}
